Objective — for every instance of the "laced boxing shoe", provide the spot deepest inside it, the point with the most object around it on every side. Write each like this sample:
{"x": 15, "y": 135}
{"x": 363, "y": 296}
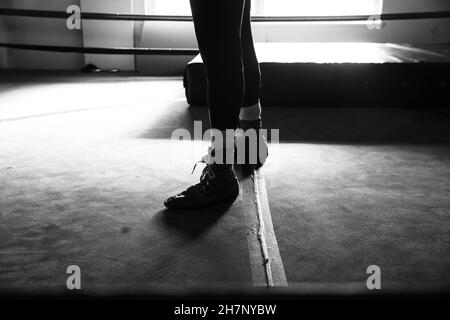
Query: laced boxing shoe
{"x": 218, "y": 183}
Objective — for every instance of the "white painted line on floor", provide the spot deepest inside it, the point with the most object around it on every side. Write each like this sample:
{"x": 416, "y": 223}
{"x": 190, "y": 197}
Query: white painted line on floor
{"x": 274, "y": 269}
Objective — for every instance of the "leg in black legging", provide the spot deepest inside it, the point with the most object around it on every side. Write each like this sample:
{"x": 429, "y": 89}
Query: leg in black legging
{"x": 225, "y": 45}
{"x": 218, "y": 26}
{"x": 250, "y": 113}
{"x": 252, "y": 73}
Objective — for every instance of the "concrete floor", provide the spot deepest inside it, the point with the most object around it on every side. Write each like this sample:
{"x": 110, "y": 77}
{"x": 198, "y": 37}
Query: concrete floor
{"x": 82, "y": 182}
{"x": 362, "y": 187}
{"x": 86, "y": 162}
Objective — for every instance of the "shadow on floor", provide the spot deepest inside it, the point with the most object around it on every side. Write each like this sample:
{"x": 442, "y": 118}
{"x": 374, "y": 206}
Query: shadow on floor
{"x": 326, "y": 125}
{"x": 191, "y": 223}
{"x": 179, "y": 116}
{"x": 358, "y": 125}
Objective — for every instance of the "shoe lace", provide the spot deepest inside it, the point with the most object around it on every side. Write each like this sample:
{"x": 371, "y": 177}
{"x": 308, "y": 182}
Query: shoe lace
{"x": 205, "y": 178}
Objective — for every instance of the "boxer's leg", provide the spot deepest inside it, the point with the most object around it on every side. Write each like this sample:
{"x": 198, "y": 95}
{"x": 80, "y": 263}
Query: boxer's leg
{"x": 255, "y": 152}
{"x": 218, "y": 26}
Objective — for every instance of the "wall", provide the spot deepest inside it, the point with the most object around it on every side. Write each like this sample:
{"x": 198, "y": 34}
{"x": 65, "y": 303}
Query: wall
{"x": 102, "y": 33}
{"x": 160, "y": 34}
{"x": 181, "y": 34}
{"x": 3, "y": 51}
{"x": 396, "y": 6}
{"x": 417, "y": 31}
{"x": 39, "y": 31}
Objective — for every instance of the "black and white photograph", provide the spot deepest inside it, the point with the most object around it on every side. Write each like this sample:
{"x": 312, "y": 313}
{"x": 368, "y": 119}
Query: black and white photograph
{"x": 225, "y": 158}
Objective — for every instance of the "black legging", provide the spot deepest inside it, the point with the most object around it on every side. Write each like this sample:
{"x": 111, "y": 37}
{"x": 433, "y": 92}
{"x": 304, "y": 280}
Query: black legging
{"x": 225, "y": 42}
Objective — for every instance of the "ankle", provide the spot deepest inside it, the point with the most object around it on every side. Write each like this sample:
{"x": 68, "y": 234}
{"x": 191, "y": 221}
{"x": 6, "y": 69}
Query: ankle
{"x": 222, "y": 167}
{"x": 221, "y": 150}
{"x": 250, "y": 113}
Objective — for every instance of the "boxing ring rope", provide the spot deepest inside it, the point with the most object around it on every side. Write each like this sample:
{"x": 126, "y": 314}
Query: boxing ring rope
{"x": 140, "y": 17}
{"x": 178, "y": 51}
{"x": 95, "y": 50}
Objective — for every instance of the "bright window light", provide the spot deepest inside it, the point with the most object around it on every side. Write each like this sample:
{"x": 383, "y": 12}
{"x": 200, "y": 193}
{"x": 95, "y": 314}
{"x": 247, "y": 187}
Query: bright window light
{"x": 319, "y": 7}
{"x": 169, "y": 7}
{"x": 280, "y": 7}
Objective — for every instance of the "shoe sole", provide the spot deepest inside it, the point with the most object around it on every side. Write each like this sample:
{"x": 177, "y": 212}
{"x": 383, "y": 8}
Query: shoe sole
{"x": 230, "y": 199}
